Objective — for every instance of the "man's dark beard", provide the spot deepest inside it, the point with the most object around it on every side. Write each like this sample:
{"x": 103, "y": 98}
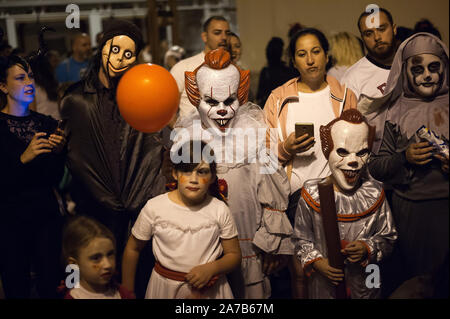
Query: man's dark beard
{"x": 384, "y": 55}
{"x": 389, "y": 53}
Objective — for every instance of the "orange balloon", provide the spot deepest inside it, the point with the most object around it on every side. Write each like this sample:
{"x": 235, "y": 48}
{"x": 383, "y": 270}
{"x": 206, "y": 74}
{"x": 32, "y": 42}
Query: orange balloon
{"x": 148, "y": 97}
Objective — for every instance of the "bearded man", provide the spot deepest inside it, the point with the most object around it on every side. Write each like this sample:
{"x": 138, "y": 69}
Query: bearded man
{"x": 367, "y": 77}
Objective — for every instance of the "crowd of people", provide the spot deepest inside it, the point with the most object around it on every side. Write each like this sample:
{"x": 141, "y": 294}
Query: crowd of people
{"x": 81, "y": 188}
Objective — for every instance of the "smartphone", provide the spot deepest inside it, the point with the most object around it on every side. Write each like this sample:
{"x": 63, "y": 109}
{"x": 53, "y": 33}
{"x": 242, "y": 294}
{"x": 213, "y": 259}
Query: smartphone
{"x": 304, "y": 128}
{"x": 60, "y": 127}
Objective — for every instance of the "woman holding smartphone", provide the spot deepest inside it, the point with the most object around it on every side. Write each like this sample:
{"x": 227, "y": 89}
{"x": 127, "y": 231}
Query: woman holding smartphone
{"x": 313, "y": 98}
{"x": 31, "y": 164}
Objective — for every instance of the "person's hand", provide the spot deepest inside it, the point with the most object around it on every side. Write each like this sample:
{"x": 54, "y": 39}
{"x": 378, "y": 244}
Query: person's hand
{"x": 200, "y": 275}
{"x": 355, "y": 251}
{"x": 298, "y": 145}
{"x": 333, "y": 274}
{"x": 419, "y": 153}
{"x": 272, "y": 263}
{"x": 57, "y": 141}
{"x": 38, "y": 145}
{"x": 444, "y": 162}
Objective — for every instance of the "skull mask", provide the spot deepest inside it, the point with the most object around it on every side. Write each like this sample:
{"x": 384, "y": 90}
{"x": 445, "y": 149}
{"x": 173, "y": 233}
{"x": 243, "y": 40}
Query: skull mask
{"x": 349, "y": 154}
{"x": 425, "y": 74}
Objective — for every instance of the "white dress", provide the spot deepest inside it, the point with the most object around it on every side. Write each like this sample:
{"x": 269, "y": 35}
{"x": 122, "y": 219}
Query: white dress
{"x": 184, "y": 237}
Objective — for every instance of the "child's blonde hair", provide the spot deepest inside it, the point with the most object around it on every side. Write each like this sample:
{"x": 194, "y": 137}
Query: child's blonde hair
{"x": 78, "y": 233}
{"x": 345, "y": 49}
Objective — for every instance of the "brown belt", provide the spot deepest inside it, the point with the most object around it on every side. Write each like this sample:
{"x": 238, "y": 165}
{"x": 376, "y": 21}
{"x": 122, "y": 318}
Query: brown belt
{"x": 178, "y": 276}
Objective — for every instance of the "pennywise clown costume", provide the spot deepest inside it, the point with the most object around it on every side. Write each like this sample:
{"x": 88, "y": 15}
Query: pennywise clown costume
{"x": 115, "y": 168}
{"x": 257, "y": 195}
{"x": 416, "y": 95}
{"x": 363, "y": 213}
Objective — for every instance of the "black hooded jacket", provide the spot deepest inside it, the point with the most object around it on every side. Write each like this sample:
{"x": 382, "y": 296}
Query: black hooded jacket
{"x": 111, "y": 163}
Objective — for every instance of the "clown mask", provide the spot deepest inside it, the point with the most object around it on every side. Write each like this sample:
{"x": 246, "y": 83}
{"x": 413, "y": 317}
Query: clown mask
{"x": 425, "y": 74}
{"x": 350, "y": 153}
{"x": 219, "y": 96}
{"x": 118, "y": 54}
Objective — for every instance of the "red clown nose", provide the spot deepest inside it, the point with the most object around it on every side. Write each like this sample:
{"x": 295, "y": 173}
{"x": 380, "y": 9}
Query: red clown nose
{"x": 148, "y": 97}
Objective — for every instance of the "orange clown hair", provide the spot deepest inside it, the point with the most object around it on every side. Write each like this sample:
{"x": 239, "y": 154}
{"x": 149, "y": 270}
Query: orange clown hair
{"x": 217, "y": 59}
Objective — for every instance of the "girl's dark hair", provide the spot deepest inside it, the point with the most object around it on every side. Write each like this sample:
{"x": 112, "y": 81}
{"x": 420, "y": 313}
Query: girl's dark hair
{"x": 188, "y": 164}
{"x": 5, "y": 64}
{"x": 317, "y": 33}
{"x": 78, "y": 233}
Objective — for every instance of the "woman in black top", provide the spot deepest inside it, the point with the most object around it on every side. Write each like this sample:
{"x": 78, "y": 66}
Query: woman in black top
{"x": 31, "y": 164}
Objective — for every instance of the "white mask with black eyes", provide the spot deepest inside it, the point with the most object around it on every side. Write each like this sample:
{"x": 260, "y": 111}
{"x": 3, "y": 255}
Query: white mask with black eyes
{"x": 219, "y": 101}
{"x": 425, "y": 74}
{"x": 120, "y": 56}
{"x": 350, "y": 153}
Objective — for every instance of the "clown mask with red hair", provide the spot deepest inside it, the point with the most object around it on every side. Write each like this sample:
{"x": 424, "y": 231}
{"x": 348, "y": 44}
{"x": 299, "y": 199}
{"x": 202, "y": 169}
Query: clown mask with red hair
{"x": 346, "y": 143}
{"x": 217, "y": 88}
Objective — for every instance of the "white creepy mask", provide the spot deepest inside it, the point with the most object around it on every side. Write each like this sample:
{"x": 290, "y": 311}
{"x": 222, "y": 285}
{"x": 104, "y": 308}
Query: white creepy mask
{"x": 120, "y": 56}
{"x": 425, "y": 74}
{"x": 219, "y": 100}
{"x": 350, "y": 153}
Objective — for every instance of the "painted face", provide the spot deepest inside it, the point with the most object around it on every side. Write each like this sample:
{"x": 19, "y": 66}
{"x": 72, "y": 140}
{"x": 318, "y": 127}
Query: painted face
{"x": 425, "y": 74}
{"x": 379, "y": 41}
{"x": 350, "y": 153}
{"x": 122, "y": 56}
{"x": 217, "y": 35}
{"x": 236, "y": 49}
{"x": 19, "y": 85}
{"x": 310, "y": 58}
{"x": 193, "y": 186}
{"x": 97, "y": 263}
{"x": 218, "y": 91}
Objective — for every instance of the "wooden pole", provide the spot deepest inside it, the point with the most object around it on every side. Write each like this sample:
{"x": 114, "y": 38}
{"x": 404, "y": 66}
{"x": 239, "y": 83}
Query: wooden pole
{"x": 331, "y": 229}
{"x": 173, "y": 9}
{"x": 153, "y": 31}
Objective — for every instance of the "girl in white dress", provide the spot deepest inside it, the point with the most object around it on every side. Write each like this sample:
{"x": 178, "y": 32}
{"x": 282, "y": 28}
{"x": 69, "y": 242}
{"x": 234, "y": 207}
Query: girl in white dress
{"x": 194, "y": 235}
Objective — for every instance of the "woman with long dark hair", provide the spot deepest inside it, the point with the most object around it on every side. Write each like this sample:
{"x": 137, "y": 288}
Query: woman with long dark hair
{"x": 31, "y": 164}
{"x": 316, "y": 98}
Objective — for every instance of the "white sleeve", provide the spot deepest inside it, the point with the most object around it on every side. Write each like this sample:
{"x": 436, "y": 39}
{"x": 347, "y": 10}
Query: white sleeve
{"x": 177, "y": 72}
{"x": 349, "y": 80}
{"x": 226, "y": 223}
{"x": 143, "y": 227}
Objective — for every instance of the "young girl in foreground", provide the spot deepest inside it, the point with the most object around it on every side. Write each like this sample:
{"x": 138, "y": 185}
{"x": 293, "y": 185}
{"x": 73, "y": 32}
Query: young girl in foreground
{"x": 91, "y": 246}
{"x": 191, "y": 230}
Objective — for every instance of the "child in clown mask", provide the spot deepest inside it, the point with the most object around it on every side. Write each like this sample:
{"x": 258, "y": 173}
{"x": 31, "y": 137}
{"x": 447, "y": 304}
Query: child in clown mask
{"x": 194, "y": 235}
{"x": 364, "y": 218}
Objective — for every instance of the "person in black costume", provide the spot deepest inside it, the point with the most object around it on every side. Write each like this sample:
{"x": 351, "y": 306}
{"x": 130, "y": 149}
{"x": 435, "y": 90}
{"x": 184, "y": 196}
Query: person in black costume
{"x": 275, "y": 73}
{"x": 115, "y": 168}
{"x": 31, "y": 165}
